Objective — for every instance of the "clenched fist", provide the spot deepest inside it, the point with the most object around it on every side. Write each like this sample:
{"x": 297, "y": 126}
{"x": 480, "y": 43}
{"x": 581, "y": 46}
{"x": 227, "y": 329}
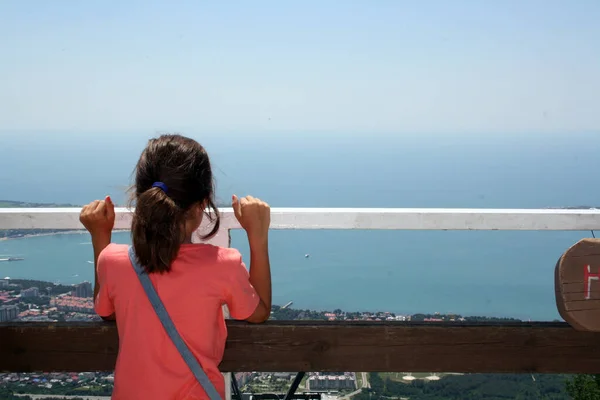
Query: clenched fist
{"x": 98, "y": 217}
{"x": 254, "y": 215}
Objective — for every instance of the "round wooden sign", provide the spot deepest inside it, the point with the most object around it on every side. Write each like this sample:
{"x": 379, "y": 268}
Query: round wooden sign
{"x": 577, "y": 284}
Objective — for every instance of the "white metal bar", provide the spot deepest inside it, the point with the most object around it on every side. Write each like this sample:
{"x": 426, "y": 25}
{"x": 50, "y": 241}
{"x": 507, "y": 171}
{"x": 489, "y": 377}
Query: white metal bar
{"x": 347, "y": 218}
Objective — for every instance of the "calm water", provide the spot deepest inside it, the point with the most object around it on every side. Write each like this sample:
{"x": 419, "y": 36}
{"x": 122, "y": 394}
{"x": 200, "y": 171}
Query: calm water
{"x": 483, "y": 273}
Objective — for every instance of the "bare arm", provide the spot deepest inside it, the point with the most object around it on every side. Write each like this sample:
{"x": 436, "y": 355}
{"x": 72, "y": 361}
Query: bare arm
{"x": 260, "y": 278}
{"x": 254, "y": 215}
{"x": 100, "y": 242}
{"x": 98, "y": 217}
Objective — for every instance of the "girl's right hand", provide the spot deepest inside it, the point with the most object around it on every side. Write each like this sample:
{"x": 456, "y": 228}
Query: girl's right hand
{"x": 254, "y": 215}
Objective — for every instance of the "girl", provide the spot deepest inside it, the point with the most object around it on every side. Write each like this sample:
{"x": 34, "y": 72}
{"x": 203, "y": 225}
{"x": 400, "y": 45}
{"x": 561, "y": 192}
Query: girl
{"x": 174, "y": 191}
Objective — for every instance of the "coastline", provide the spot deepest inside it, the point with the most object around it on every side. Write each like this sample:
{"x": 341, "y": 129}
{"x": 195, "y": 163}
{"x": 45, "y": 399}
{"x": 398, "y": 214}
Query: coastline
{"x": 41, "y": 234}
{"x": 286, "y": 313}
{"x": 69, "y": 232}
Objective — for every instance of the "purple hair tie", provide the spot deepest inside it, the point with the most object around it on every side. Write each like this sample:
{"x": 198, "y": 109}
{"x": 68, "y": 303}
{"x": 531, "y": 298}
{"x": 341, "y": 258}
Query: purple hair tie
{"x": 160, "y": 185}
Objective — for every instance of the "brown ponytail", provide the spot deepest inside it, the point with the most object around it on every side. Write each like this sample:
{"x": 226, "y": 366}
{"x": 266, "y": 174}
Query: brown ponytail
{"x": 158, "y": 226}
{"x": 157, "y": 230}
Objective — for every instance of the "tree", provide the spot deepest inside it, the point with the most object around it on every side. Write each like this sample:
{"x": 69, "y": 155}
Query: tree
{"x": 584, "y": 387}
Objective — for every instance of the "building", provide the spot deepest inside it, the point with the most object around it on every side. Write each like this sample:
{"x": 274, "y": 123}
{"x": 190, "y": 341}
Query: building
{"x": 8, "y": 313}
{"x": 283, "y": 375}
{"x": 84, "y": 289}
{"x": 31, "y": 292}
{"x": 243, "y": 378}
{"x": 3, "y": 283}
{"x": 73, "y": 304}
{"x": 331, "y": 382}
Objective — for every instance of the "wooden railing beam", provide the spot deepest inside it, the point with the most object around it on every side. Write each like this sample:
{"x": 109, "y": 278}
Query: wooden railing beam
{"x": 327, "y": 346}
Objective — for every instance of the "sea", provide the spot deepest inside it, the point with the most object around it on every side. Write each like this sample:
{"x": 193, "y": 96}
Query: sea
{"x": 481, "y": 273}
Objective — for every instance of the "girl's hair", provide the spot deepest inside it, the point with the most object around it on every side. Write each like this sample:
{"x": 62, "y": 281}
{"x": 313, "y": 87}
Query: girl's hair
{"x": 158, "y": 227}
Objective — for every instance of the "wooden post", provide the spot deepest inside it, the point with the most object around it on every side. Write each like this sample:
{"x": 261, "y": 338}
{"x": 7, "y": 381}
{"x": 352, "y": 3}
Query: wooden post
{"x": 223, "y": 239}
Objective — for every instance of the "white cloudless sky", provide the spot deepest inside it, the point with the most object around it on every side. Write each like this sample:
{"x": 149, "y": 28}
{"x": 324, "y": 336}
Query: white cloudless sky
{"x": 376, "y": 67}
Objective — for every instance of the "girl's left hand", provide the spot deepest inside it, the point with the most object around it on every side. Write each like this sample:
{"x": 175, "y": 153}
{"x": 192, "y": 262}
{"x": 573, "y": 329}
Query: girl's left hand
{"x": 98, "y": 217}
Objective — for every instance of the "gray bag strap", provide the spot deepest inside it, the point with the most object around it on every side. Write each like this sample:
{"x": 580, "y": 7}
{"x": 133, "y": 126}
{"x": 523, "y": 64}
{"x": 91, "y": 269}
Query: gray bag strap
{"x": 167, "y": 323}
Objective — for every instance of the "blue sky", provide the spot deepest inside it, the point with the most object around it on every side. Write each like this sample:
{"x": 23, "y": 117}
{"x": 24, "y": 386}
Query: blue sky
{"x": 279, "y": 67}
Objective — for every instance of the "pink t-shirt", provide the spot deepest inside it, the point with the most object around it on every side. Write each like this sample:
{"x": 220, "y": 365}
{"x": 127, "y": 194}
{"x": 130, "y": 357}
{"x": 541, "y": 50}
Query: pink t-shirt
{"x": 201, "y": 280}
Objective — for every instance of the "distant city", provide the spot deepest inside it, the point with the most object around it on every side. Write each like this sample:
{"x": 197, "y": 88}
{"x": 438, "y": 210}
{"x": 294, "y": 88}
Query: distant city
{"x": 26, "y": 300}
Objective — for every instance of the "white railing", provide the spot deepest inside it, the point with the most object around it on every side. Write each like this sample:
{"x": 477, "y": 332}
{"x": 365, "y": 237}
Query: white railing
{"x": 345, "y": 218}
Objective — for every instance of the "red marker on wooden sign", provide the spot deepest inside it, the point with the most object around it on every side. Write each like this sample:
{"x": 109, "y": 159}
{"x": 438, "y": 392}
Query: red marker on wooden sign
{"x": 577, "y": 285}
